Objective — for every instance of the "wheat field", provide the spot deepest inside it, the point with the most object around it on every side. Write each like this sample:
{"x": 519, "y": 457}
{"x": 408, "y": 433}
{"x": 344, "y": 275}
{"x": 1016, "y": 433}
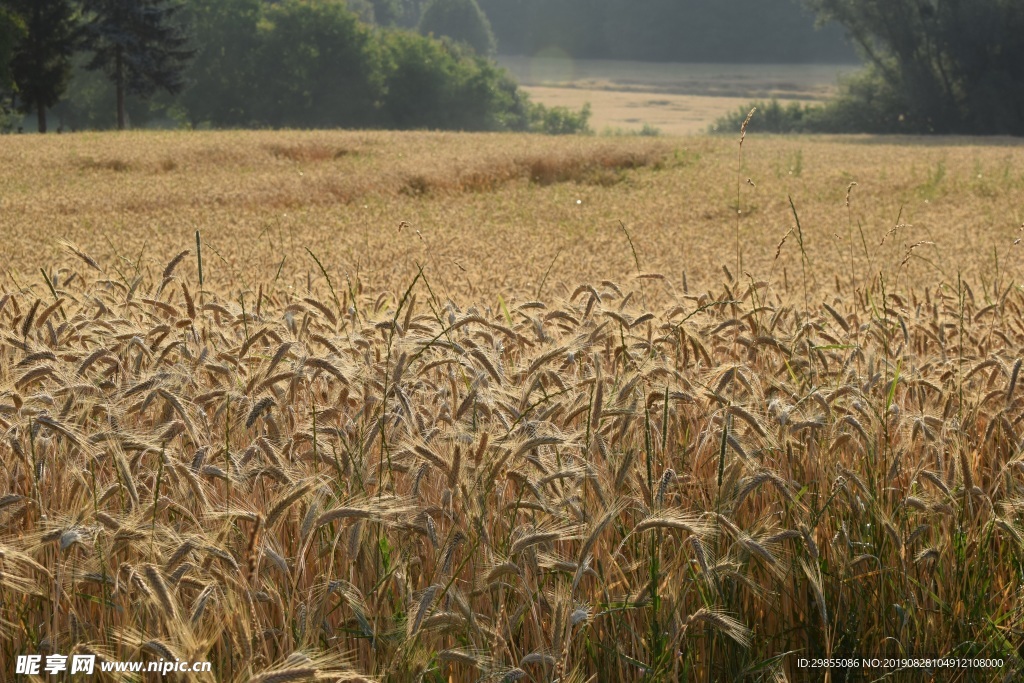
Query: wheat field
{"x": 402, "y": 407}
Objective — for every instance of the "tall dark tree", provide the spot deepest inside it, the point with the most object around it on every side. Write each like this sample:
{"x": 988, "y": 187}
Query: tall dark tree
{"x": 140, "y": 44}
{"x": 12, "y": 28}
{"x": 41, "y": 62}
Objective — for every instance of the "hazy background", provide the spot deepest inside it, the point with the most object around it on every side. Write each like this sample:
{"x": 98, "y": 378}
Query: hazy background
{"x": 550, "y": 66}
{"x": 736, "y": 31}
{"x": 674, "y": 66}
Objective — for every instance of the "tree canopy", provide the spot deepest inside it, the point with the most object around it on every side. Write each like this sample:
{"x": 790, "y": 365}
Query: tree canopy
{"x": 320, "y": 66}
{"x": 349, "y": 63}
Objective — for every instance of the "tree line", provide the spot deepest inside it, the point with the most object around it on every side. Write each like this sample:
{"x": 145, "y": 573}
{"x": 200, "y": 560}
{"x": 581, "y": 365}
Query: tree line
{"x": 261, "y": 63}
{"x": 933, "y": 66}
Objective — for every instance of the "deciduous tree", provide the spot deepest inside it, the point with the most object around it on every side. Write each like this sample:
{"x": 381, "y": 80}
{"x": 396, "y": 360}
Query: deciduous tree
{"x": 320, "y": 67}
{"x": 950, "y": 66}
{"x": 223, "y": 81}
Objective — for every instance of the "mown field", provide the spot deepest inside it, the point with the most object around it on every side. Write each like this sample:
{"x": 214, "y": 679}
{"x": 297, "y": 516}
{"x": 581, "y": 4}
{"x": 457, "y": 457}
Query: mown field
{"x": 459, "y": 407}
{"x": 677, "y": 99}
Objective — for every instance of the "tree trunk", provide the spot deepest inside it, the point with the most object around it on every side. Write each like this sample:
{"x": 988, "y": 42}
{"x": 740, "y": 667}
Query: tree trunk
{"x": 41, "y": 118}
{"x": 119, "y": 81}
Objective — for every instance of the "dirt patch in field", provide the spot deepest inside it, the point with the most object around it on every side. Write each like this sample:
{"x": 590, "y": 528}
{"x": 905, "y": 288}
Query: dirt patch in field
{"x": 308, "y": 152}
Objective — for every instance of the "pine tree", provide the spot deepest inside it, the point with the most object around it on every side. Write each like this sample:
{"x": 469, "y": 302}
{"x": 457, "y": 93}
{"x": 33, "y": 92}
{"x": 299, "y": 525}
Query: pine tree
{"x": 40, "y": 65}
{"x": 12, "y": 28}
{"x": 139, "y": 44}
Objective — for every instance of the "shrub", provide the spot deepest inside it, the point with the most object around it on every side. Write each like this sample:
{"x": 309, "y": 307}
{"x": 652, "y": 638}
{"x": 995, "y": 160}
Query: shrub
{"x": 772, "y": 117}
{"x": 866, "y": 103}
{"x": 559, "y": 120}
